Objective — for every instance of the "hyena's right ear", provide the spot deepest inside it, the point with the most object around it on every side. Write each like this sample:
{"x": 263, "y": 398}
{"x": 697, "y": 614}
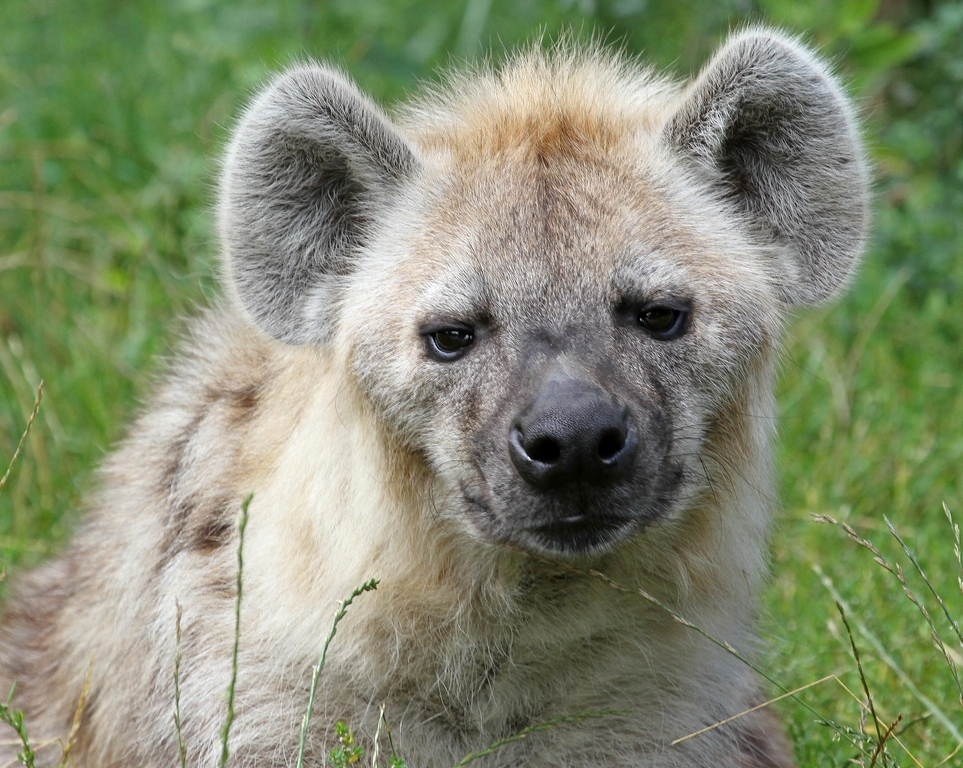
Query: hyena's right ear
{"x": 310, "y": 163}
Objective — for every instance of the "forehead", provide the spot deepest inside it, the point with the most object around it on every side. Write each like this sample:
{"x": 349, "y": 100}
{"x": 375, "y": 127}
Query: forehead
{"x": 541, "y": 151}
{"x": 583, "y": 223}
{"x": 571, "y": 221}
{"x": 548, "y": 179}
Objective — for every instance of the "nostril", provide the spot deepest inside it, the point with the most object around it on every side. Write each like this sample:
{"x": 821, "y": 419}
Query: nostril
{"x": 544, "y": 450}
{"x": 610, "y": 444}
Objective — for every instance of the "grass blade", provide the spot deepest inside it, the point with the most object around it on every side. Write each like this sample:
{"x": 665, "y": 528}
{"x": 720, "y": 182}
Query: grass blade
{"x": 181, "y": 748}
{"x": 887, "y": 659}
{"x": 871, "y": 705}
{"x": 919, "y": 569}
{"x": 229, "y": 721}
{"x": 368, "y": 586}
{"x": 23, "y": 437}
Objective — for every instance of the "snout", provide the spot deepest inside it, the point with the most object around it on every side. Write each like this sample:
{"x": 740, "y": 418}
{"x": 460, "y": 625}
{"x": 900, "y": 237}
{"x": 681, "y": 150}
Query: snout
{"x": 575, "y": 448}
{"x": 573, "y": 433}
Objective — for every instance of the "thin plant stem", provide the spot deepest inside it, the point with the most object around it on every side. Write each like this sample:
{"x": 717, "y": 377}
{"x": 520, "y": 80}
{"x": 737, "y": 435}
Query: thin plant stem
{"x": 376, "y": 749}
{"x": 14, "y": 718}
{"x": 66, "y": 748}
{"x": 862, "y": 679}
{"x": 23, "y": 437}
{"x": 957, "y": 549}
{"x": 229, "y": 721}
{"x": 897, "y": 571}
{"x": 368, "y": 586}
{"x": 887, "y": 659}
{"x": 882, "y": 742}
{"x": 919, "y": 569}
{"x": 181, "y": 748}
{"x": 787, "y": 695}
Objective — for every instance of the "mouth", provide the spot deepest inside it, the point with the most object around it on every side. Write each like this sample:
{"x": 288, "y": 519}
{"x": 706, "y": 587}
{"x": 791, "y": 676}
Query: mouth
{"x": 581, "y": 534}
{"x": 552, "y": 530}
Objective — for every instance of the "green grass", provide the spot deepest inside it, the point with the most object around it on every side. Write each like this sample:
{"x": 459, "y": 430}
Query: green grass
{"x": 112, "y": 116}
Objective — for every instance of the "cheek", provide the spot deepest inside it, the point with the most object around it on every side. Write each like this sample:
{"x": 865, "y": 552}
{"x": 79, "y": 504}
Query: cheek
{"x": 384, "y": 367}
{"x": 726, "y": 341}
{"x": 432, "y": 407}
{"x": 463, "y": 424}
{"x": 728, "y": 357}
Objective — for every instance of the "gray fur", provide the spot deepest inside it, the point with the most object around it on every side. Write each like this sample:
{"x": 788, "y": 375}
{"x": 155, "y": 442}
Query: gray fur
{"x": 310, "y": 162}
{"x": 768, "y": 122}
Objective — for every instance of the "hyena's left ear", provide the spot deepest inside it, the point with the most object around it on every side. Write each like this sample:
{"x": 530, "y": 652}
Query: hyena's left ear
{"x": 774, "y": 132}
{"x": 311, "y": 163}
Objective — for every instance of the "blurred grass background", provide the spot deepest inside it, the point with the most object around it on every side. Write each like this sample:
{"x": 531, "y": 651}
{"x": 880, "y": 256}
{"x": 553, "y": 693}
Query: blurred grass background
{"x": 113, "y": 115}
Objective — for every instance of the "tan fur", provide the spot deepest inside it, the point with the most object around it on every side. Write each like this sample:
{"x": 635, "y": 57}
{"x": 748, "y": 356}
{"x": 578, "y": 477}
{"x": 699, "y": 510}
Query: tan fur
{"x": 528, "y": 202}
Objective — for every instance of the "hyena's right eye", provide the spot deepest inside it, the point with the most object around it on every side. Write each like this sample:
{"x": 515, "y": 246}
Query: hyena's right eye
{"x": 448, "y": 344}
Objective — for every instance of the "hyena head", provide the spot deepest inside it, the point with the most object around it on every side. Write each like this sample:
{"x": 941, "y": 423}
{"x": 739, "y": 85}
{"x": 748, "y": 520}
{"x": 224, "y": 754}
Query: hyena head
{"x": 558, "y": 282}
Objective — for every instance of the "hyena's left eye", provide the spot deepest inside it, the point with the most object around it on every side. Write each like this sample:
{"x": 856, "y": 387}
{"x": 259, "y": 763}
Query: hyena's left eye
{"x": 448, "y": 344}
{"x": 663, "y": 322}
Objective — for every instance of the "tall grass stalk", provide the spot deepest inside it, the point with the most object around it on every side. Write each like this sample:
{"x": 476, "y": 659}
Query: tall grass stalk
{"x": 931, "y": 706}
{"x": 870, "y": 704}
{"x": 897, "y": 571}
{"x": 957, "y": 549}
{"x": 376, "y": 748}
{"x": 23, "y": 437}
{"x": 181, "y": 748}
{"x": 787, "y": 695}
{"x": 368, "y": 586}
{"x": 936, "y": 595}
{"x": 229, "y": 721}
{"x": 67, "y": 747}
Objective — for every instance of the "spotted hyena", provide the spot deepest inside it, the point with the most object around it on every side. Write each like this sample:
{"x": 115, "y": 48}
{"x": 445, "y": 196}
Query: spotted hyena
{"x": 510, "y": 352}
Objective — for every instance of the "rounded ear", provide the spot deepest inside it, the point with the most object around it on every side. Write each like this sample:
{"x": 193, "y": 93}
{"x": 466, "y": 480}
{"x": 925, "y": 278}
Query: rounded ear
{"x": 769, "y": 124}
{"x": 310, "y": 164}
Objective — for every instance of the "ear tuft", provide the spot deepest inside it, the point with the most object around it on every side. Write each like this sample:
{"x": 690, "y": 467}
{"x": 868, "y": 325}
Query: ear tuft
{"x": 769, "y": 124}
{"x": 311, "y": 160}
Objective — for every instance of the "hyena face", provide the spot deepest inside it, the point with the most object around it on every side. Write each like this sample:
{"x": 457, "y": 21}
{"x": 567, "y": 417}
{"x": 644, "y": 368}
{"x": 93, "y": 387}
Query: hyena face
{"x": 555, "y": 282}
{"x": 558, "y": 343}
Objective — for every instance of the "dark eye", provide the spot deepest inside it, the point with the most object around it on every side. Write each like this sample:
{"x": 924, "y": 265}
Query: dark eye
{"x": 448, "y": 344}
{"x": 663, "y": 322}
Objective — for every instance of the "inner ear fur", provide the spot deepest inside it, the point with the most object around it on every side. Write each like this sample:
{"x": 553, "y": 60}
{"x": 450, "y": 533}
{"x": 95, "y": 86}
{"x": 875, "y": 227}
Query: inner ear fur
{"x": 775, "y": 133}
{"x": 310, "y": 162}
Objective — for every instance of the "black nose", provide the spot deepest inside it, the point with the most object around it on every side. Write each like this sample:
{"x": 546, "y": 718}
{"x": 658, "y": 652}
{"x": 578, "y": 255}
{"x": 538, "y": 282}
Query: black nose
{"x": 573, "y": 432}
